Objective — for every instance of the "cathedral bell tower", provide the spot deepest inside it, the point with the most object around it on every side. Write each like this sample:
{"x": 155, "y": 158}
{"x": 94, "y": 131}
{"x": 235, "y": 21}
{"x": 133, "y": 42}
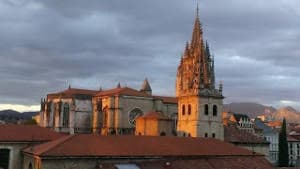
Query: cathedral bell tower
{"x": 200, "y": 104}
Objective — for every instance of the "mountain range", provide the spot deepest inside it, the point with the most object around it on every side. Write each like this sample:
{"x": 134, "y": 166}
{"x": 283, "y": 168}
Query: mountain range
{"x": 251, "y": 109}
{"x": 12, "y": 116}
{"x": 255, "y": 109}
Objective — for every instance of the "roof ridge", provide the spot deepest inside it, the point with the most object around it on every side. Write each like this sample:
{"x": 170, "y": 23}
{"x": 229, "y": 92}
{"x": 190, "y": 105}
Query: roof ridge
{"x": 59, "y": 141}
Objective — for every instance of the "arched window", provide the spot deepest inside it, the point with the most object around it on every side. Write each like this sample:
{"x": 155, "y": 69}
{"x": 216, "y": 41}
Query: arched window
{"x": 66, "y": 115}
{"x": 213, "y": 135}
{"x": 30, "y": 166}
{"x": 215, "y": 110}
{"x": 189, "y": 109}
{"x": 135, "y": 113}
{"x": 183, "y": 110}
{"x": 205, "y": 135}
{"x": 206, "y": 109}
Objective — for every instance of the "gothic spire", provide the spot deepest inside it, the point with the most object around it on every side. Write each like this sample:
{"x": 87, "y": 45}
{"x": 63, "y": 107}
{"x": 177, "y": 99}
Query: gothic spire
{"x": 212, "y": 72}
{"x": 197, "y": 32}
{"x": 119, "y": 85}
{"x": 207, "y": 51}
{"x": 146, "y": 88}
{"x": 186, "y": 52}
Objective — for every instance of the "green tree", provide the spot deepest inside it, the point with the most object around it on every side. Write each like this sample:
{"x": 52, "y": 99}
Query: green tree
{"x": 30, "y": 122}
{"x": 283, "y": 155}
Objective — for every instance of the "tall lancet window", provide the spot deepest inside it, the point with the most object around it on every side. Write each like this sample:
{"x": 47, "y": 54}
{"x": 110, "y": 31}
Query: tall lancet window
{"x": 66, "y": 115}
{"x": 215, "y": 110}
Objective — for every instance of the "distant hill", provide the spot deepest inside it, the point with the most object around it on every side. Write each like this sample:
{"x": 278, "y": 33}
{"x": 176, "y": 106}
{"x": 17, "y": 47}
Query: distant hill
{"x": 255, "y": 109}
{"x": 12, "y": 116}
{"x": 289, "y": 113}
{"x": 251, "y": 109}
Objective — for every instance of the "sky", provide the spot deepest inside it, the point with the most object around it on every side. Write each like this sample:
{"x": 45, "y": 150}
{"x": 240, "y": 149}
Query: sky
{"x": 47, "y": 45}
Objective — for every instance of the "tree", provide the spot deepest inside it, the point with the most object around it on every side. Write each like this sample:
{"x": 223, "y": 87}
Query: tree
{"x": 283, "y": 155}
{"x": 30, "y": 122}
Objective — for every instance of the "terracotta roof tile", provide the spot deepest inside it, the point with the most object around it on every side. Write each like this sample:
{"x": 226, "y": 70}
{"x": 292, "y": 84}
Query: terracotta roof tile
{"x": 96, "y": 145}
{"x": 233, "y": 135}
{"x": 274, "y": 124}
{"x": 26, "y": 133}
{"x": 122, "y": 91}
{"x": 203, "y": 163}
{"x": 73, "y": 91}
{"x": 239, "y": 162}
{"x": 293, "y": 138}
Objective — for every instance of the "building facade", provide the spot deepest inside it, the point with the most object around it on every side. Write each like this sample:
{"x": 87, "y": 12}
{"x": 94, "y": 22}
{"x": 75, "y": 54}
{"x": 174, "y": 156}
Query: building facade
{"x": 271, "y": 135}
{"x": 108, "y": 112}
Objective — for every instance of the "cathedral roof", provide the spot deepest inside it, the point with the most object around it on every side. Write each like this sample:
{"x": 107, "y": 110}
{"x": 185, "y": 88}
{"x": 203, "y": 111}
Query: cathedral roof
{"x": 26, "y": 133}
{"x": 122, "y": 91}
{"x": 134, "y": 146}
{"x": 71, "y": 92}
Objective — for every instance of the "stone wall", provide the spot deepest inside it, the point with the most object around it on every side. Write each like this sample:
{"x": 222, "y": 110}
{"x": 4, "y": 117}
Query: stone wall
{"x": 15, "y": 154}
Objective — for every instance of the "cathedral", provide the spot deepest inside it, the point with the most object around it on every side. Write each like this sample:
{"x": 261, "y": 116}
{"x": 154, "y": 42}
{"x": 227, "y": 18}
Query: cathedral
{"x": 196, "y": 111}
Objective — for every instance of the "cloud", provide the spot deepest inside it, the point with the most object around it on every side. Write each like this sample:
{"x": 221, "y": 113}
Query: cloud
{"x": 45, "y": 45}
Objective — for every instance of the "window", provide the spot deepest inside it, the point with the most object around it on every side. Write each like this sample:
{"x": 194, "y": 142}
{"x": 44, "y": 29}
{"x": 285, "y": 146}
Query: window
{"x": 162, "y": 134}
{"x": 206, "y": 109}
{"x": 189, "y": 109}
{"x": 183, "y": 134}
{"x": 4, "y": 158}
{"x": 206, "y": 135}
{"x": 213, "y": 135}
{"x": 135, "y": 113}
{"x": 66, "y": 115}
{"x": 30, "y": 166}
{"x": 215, "y": 110}
{"x": 183, "y": 110}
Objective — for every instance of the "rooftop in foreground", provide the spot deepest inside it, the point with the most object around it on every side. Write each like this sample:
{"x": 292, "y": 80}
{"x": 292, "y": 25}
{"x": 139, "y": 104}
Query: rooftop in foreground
{"x": 26, "y": 133}
{"x": 95, "y": 145}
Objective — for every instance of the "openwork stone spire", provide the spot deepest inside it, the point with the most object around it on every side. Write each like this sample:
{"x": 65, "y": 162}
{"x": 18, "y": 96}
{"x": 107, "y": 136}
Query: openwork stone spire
{"x": 196, "y": 70}
{"x": 197, "y": 33}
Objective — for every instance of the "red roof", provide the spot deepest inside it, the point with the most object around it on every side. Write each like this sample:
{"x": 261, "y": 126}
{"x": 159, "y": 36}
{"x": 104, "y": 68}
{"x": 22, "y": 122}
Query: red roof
{"x": 95, "y": 146}
{"x": 274, "y": 123}
{"x": 122, "y": 91}
{"x": 233, "y": 135}
{"x": 26, "y": 133}
{"x": 291, "y": 138}
{"x": 237, "y": 162}
{"x": 73, "y": 91}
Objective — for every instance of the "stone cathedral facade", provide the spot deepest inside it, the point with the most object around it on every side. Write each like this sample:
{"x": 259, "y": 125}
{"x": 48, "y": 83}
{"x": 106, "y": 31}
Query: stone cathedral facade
{"x": 196, "y": 111}
{"x": 200, "y": 104}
